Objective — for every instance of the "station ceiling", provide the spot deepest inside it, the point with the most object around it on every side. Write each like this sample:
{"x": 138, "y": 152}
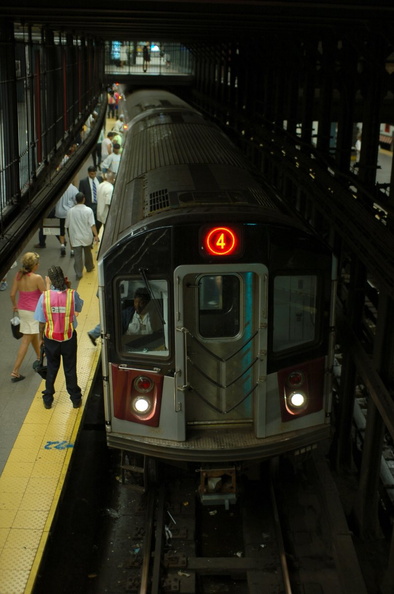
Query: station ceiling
{"x": 209, "y": 21}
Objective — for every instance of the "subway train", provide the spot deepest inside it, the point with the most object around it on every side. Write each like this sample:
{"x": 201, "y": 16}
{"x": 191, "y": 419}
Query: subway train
{"x": 216, "y": 305}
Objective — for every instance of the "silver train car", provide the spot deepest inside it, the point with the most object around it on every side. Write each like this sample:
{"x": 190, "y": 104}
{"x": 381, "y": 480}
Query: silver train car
{"x": 216, "y": 306}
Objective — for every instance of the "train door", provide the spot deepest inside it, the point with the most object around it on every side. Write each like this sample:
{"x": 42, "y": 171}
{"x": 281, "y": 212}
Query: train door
{"x": 221, "y": 344}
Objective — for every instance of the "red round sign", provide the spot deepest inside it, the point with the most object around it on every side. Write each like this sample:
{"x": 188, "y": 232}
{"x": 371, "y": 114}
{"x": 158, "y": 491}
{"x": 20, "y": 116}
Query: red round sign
{"x": 221, "y": 241}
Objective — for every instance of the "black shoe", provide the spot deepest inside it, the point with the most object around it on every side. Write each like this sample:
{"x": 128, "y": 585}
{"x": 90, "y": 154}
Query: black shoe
{"x": 77, "y": 404}
{"x": 92, "y": 339}
{"x": 48, "y": 405}
{"x": 38, "y": 246}
{"x": 63, "y": 251}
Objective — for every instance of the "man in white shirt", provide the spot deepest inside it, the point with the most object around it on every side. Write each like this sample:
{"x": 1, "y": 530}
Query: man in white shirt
{"x": 106, "y": 145}
{"x": 111, "y": 163}
{"x": 104, "y": 197}
{"x": 81, "y": 226}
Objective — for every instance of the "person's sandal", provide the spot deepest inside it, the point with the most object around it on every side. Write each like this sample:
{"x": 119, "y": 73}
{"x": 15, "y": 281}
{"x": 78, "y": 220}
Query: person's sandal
{"x": 17, "y": 378}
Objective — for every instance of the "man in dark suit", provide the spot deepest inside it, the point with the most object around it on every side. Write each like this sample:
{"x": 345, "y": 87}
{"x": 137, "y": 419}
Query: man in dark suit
{"x": 89, "y": 186}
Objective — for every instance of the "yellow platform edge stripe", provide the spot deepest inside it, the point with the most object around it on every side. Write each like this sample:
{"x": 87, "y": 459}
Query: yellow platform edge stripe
{"x": 33, "y": 478}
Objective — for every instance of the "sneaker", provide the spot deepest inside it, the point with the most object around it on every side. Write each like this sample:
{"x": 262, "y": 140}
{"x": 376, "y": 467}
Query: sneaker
{"x": 63, "y": 250}
{"x": 72, "y": 254}
{"x": 3, "y": 285}
{"x": 92, "y": 339}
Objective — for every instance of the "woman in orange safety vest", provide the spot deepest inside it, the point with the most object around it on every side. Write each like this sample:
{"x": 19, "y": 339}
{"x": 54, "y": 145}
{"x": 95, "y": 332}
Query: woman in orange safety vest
{"x": 56, "y": 312}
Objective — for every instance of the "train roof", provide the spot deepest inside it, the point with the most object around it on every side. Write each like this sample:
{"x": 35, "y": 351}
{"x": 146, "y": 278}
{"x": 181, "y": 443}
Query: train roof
{"x": 175, "y": 163}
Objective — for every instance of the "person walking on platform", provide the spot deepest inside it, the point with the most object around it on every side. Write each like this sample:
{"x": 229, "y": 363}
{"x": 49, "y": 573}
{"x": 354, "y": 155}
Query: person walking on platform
{"x": 56, "y": 312}
{"x": 67, "y": 201}
{"x": 96, "y": 153}
{"x": 106, "y": 146}
{"x": 28, "y": 285}
{"x": 118, "y": 127}
{"x": 104, "y": 198}
{"x": 89, "y": 187}
{"x": 111, "y": 163}
{"x": 145, "y": 57}
{"x": 81, "y": 228}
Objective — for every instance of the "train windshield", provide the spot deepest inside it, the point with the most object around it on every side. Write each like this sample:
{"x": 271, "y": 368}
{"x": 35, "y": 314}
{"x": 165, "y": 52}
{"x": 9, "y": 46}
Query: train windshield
{"x": 144, "y": 317}
{"x": 295, "y": 299}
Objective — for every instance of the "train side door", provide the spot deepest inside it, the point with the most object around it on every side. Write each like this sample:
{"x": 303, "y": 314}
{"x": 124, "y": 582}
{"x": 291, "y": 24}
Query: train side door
{"x": 221, "y": 343}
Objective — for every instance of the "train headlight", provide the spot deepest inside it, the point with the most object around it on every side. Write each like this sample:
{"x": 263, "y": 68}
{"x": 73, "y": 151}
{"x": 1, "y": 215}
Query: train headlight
{"x": 142, "y": 405}
{"x": 296, "y": 402}
{"x": 297, "y": 399}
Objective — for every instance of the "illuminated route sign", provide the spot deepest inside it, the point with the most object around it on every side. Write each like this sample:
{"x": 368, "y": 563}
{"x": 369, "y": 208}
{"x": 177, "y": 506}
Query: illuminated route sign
{"x": 221, "y": 241}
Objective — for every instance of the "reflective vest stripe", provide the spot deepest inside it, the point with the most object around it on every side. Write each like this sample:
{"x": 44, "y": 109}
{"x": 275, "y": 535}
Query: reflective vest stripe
{"x": 48, "y": 314}
{"x": 67, "y": 321}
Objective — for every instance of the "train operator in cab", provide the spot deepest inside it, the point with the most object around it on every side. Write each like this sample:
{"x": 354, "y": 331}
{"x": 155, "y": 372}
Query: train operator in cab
{"x": 142, "y": 326}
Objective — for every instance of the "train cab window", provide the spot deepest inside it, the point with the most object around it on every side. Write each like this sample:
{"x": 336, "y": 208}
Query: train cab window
{"x": 144, "y": 317}
{"x": 218, "y": 302}
{"x": 295, "y": 299}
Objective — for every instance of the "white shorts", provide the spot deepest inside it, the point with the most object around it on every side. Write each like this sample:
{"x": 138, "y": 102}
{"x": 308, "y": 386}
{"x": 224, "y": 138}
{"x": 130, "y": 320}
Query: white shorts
{"x": 28, "y": 324}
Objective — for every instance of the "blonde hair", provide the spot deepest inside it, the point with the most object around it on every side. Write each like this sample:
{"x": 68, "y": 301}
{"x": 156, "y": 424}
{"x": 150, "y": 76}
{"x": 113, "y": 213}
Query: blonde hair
{"x": 29, "y": 260}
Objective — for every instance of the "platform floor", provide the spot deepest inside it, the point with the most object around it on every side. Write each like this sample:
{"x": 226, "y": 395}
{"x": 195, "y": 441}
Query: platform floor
{"x": 36, "y": 444}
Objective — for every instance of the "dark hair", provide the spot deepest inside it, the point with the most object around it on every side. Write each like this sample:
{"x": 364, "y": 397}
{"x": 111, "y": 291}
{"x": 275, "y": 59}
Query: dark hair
{"x": 142, "y": 293}
{"x": 92, "y": 168}
{"x": 79, "y": 197}
{"x": 116, "y": 145}
{"x": 56, "y": 277}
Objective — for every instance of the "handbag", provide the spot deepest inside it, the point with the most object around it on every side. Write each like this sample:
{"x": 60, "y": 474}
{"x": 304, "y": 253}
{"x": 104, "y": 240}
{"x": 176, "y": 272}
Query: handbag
{"x": 15, "y": 327}
{"x": 39, "y": 366}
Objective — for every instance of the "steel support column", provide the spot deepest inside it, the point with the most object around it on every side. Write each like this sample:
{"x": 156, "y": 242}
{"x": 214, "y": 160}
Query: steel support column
{"x": 354, "y": 311}
{"x": 8, "y": 99}
{"x": 366, "y": 503}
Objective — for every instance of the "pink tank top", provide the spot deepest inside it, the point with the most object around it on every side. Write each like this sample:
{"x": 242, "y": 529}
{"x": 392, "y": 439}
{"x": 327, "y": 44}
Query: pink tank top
{"x": 27, "y": 300}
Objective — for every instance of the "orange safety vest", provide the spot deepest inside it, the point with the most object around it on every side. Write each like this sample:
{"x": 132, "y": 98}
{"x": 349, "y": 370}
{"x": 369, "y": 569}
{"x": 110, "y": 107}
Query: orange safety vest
{"x": 59, "y": 314}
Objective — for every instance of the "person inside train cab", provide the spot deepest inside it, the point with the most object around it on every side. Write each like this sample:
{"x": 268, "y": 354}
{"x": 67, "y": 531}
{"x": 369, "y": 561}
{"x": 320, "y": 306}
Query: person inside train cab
{"x": 142, "y": 325}
{"x": 140, "y": 314}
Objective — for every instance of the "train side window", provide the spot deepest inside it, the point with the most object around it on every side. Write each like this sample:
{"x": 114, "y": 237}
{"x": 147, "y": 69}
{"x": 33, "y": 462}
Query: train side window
{"x": 295, "y": 303}
{"x": 143, "y": 317}
{"x": 219, "y": 299}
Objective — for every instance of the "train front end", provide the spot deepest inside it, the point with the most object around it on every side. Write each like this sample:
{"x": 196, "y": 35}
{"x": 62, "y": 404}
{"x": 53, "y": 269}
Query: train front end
{"x": 234, "y": 359}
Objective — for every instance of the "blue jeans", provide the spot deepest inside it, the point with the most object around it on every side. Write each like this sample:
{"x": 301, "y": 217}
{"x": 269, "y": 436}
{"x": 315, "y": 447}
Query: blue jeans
{"x": 96, "y": 332}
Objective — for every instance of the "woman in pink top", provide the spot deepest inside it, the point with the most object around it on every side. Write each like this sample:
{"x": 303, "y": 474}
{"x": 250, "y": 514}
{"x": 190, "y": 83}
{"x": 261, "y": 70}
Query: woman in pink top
{"x": 29, "y": 285}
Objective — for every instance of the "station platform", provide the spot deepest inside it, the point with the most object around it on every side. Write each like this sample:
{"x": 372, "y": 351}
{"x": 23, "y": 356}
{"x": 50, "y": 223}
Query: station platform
{"x": 36, "y": 445}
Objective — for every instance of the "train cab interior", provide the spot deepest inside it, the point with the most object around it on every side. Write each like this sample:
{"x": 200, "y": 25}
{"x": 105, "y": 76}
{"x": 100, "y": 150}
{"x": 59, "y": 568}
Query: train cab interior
{"x": 147, "y": 330}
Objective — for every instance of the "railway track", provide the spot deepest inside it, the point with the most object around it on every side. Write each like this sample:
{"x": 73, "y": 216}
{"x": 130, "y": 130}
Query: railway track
{"x": 279, "y": 538}
{"x": 188, "y": 548}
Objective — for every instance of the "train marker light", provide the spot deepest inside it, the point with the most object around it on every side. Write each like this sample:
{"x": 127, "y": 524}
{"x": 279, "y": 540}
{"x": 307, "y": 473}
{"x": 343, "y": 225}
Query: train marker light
{"x": 143, "y": 384}
{"x": 221, "y": 241}
{"x": 295, "y": 379}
